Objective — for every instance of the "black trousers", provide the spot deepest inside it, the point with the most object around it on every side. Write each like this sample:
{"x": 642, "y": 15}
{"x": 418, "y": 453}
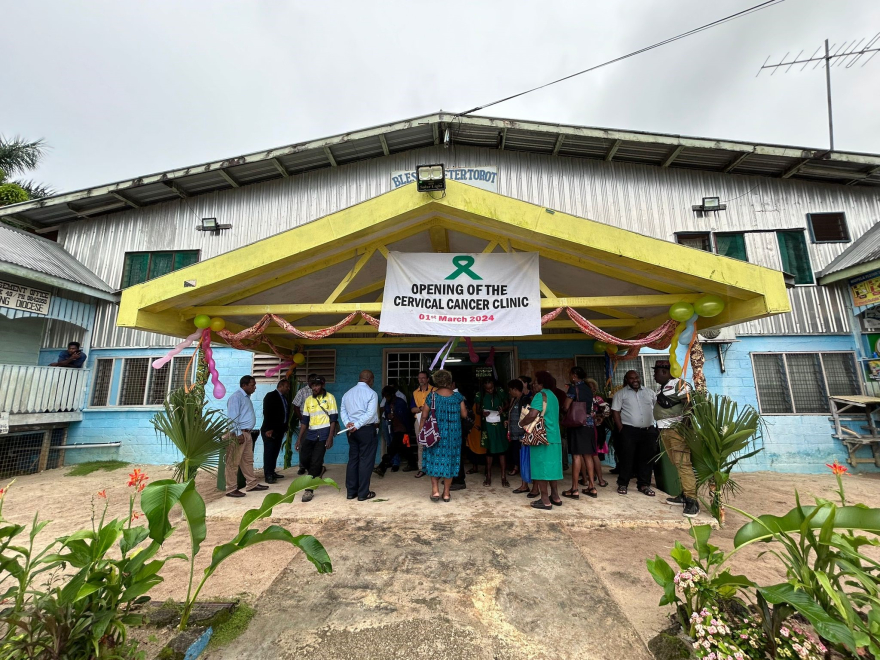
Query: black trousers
{"x": 396, "y": 446}
{"x": 311, "y": 455}
{"x": 362, "y": 445}
{"x": 636, "y": 448}
{"x": 271, "y": 449}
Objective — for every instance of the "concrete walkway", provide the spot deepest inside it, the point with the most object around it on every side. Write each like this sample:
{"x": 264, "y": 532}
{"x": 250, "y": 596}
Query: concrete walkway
{"x": 484, "y": 576}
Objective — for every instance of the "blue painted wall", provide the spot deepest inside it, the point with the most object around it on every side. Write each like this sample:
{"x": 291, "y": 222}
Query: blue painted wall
{"x": 793, "y": 443}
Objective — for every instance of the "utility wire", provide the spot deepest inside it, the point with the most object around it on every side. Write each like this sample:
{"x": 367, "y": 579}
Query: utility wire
{"x": 758, "y": 7}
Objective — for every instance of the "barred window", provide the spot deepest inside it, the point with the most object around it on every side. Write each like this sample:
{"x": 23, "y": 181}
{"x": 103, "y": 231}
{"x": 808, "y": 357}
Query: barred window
{"x": 402, "y": 367}
{"x": 800, "y": 383}
{"x": 103, "y": 376}
{"x": 594, "y": 366}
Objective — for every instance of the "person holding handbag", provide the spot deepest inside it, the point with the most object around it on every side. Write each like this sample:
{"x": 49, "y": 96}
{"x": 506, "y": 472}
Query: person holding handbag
{"x": 578, "y": 420}
{"x": 443, "y": 411}
{"x": 545, "y": 459}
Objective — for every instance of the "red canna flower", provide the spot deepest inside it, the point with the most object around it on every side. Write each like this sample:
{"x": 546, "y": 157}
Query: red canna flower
{"x": 837, "y": 468}
{"x": 134, "y": 516}
{"x": 137, "y": 479}
{"x": 2, "y": 492}
{"x": 102, "y": 493}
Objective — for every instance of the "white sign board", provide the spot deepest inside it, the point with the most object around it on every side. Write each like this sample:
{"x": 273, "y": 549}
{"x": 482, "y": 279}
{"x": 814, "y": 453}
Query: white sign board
{"x": 481, "y": 177}
{"x": 4, "y": 423}
{"x": 462, "y": 295}
{"x": 18, "y": 296}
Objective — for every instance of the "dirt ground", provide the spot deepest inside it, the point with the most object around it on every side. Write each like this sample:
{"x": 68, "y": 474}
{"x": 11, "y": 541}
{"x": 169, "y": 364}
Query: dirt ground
{"x": 484, "y": 576}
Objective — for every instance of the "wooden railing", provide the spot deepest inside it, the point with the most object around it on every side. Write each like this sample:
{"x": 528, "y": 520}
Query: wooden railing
{"x": 26, "y": 389}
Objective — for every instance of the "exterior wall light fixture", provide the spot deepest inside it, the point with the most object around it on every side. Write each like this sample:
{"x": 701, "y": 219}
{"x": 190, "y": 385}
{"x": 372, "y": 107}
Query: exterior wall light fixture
{"x": 430, "y": 178}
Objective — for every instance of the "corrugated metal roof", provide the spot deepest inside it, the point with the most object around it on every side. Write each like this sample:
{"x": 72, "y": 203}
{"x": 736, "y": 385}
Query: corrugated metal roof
{"x": 47, "y": 257}
{"x": 657, "y": 149}
{"x": 866, "y": 248}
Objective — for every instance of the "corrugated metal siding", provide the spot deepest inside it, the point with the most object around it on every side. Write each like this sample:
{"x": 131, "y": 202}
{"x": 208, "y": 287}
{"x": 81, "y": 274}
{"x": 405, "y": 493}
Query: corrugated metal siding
{"x": 650, "y": 200}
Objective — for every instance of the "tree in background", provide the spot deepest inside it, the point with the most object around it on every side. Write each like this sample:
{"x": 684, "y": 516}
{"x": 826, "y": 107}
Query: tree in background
{"x": 17, "y": 156}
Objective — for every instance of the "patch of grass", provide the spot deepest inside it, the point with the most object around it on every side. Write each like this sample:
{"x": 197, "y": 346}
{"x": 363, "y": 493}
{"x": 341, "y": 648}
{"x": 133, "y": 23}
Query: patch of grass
{"x": 232, "y": 627}
{"x": 82, "y": 469}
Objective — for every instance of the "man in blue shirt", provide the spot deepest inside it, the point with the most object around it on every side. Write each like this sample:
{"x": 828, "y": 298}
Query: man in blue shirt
{"x": 240, "y": 450}
{"x": 73, "y": 357}
{"x": 360, "y": 414}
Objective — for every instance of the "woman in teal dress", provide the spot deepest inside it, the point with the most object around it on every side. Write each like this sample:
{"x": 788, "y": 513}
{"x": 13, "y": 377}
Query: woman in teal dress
{"x": 546, "y": 460}
{"x": 490, "y": 403}
{"x": 442, "y": 461}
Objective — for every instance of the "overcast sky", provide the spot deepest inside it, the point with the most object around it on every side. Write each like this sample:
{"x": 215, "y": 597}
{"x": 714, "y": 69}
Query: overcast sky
{"x": 121, "y": 89}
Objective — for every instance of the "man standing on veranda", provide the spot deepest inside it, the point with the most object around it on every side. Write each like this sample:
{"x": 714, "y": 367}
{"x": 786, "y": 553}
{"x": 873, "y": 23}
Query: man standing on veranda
{"x": 672, "y": 403}
{"x": 633, "y": 412}
{"x": 274, "y": 427}
{"x": 360, "y": 414}
{"x": 299, "y": 400}
{"x": 316, "y": 430}
{"x": 240, "y": 451}
{"x": 73, "y": 357}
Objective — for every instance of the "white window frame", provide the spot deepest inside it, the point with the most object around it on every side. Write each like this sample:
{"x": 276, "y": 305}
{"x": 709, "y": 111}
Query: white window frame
{"x": 119, "y": 368}
{"x": 827, "y": 413}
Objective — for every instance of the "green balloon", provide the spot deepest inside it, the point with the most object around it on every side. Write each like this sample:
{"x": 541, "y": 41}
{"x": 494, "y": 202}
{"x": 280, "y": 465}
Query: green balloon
{"x": 681, "y": 311}
{"x": 202, "y": 321}
{"x": 599, "y": 346}
{"x": 709, "y": 305}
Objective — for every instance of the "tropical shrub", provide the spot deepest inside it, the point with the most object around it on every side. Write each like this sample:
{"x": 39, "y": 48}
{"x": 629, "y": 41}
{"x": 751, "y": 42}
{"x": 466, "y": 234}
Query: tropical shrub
{"x": 198, "y": 432}
{"x": 719, "y": 436}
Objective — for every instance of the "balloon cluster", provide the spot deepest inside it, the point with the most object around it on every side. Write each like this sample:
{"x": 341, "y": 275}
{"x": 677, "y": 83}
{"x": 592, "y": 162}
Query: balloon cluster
{"x": 206, "y": 324}
{"x": 686, "y": 314}
{"x": 603, "y": 347}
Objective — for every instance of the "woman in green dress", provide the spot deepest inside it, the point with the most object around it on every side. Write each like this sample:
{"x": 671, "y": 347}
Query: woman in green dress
{"x": 490, "y": 403}
{"x": 546, "y": 460}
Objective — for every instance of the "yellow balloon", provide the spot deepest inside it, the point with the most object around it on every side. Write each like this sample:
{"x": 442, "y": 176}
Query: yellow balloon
{"x": 611, "y": 349}
{"x": 217, "y": 324}
{"x": 299, "y": 358}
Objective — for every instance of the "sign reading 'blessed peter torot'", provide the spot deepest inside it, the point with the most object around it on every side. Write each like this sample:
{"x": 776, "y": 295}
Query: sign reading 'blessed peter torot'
{"x": 462, "y": 295}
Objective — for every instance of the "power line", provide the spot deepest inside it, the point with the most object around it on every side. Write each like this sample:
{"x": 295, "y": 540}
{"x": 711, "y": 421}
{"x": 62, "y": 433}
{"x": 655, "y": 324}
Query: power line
{"x": 758, "y": 7}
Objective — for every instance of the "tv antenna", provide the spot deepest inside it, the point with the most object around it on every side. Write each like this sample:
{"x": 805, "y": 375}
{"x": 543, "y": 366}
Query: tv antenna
{"x": 848, "y": 53}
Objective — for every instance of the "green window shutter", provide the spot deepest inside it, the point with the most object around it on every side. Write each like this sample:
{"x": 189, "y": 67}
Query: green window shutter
{"x": 186, "y": 258}
{"x": 731, "y": 245}
{"x": 161, "y": 263}
{"x": 135, "y": 268}
{"x": 795, "y": 258}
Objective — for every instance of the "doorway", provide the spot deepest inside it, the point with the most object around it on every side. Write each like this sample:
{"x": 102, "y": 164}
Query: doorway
{"x": 402, "y": 369}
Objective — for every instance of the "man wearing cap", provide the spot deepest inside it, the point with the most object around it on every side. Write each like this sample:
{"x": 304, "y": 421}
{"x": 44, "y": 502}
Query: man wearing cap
{"x": 316, "y": 430}
{"x": 672, "y": 403}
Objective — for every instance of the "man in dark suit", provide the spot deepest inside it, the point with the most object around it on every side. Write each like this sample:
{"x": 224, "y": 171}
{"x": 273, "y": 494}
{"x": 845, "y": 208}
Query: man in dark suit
{"x": 275, "y": 419}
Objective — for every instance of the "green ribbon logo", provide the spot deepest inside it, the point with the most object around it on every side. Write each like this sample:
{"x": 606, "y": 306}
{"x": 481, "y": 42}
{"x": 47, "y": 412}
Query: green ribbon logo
{"x": 463, "y": 267}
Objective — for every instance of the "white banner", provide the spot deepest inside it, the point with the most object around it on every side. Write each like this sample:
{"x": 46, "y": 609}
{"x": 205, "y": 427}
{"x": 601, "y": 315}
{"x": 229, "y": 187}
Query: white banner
{"x": 480, "y": 177}
{"x": 462, "y": 295}
{"x": 18, "y": 296}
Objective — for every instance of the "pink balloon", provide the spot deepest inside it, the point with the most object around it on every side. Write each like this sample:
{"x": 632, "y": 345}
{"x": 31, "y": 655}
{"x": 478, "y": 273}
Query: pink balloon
{"x": 219, "y": 389}
{"x": 162, "y": 361}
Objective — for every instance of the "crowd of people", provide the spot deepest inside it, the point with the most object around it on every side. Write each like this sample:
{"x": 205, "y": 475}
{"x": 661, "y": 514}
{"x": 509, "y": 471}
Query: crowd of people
{"x": 488, "y": 431}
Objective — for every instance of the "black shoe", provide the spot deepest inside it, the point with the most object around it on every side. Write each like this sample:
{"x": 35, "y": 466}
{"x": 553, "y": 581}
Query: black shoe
{"x": 409, "y": 468}
{"x": 678, "y": 500}
{"x": 614, "y": 471}
{"x": 380, "y": 470}
{"x": 458, "y": 487}
{"x": 395, "y": 468}
{"x": 278, "y": 476}
{"x": 271, "y": 480}
{"x": 691, "y": 508}
{"x": 307, "y": 496}
{"x": 302, "y": 470}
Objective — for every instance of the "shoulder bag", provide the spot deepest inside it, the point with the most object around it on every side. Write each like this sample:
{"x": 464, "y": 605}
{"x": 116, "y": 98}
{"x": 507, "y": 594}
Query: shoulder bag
{"x": 536, "y": 432}
{"x": 429, "y": 434}
{"x": 576, "y": 415}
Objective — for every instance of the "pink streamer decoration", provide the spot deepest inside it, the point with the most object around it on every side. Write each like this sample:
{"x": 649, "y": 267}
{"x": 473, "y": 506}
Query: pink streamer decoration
{"x": 490, "y": 361}
{"x": 472, "y": 352}
{"x": 274, "y": 370}
{"x": 219, "y": 389}
{"x": 162, "y": 361}
{"x": 659, "y": 338}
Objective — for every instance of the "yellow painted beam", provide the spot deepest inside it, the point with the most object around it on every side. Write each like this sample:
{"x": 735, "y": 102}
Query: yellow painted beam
{"x": 598, "y": 302}
{"x": 390, "y": 340}
{"x": 351, "y": 275}
{"x": 439, "y": 239}
{"x": 356, "y": 329}
{"x": 363, "y": 291}
{"x": 490, "y": 247}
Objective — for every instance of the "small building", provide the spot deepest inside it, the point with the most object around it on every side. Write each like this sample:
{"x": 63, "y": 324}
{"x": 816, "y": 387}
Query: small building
{"x": 44, "y": 292}
{"x": 624, "y": 223}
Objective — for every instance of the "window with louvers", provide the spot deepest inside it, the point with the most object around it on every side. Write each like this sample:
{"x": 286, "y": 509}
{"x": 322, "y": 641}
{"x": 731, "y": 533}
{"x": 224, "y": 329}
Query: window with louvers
{"x": 594, "y": 366}
{"x": 828, "y": 227}
{"x": 318, "y": 361}
{"x": 800, "y": 383}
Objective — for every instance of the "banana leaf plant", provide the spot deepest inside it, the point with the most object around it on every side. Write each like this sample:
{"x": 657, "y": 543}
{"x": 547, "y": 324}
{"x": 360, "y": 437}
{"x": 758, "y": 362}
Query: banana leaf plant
{"x": 719, "y": 435}
{"x": 198, "y": 432}
{"x": 161, "y": 496}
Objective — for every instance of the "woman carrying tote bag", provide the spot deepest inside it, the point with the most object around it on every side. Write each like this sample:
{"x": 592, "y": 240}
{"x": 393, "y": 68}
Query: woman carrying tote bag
{"x": 581, "y": 433}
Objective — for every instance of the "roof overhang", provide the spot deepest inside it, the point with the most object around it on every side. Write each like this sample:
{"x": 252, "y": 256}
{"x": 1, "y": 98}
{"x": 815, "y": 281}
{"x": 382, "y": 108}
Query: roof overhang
{"x": 318, "y": 272}
{"x": 58, "y": 282}
{"x": 848, "y": 273}
{"x": 558, "y": 140}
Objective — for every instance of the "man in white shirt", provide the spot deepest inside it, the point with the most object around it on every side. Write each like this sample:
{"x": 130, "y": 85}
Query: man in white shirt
{"x": 633, "y": 413}
{"x": 360, "y": 414}
{"x": 240, "y": 451}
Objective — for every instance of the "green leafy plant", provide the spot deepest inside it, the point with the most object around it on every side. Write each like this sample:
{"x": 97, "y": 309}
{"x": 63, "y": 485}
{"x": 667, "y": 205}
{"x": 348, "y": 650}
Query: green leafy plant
{"x": 700, "y": 582}
{"x": 198, "y": 432}
{"x": 160, "y": 497}
{"x": 719, "y": 435}
{"x": 831, "y": 582}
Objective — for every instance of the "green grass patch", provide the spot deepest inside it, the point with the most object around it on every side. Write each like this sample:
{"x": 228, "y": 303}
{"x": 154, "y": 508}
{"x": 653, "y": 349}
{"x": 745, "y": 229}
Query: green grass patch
{"x": 82, "y": 469}
{"x": 233, "y": 626}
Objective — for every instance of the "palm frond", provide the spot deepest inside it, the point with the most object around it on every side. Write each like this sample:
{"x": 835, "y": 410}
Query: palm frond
{"x": 196, "y": 431}
{"x": 35, "y": 190}
{"x": 18, "y": 155}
